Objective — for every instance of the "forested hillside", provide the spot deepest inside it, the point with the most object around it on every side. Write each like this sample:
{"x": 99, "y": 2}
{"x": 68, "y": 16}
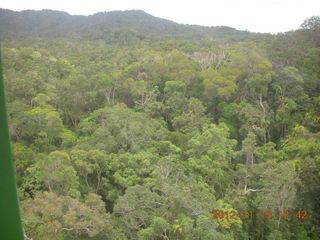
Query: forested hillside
{"x": 124, "y": 27}
{"x": 125, "y": 126}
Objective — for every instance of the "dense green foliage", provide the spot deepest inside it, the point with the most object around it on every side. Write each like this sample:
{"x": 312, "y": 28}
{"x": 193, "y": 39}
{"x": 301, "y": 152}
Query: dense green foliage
{"x": 142, "y": 140}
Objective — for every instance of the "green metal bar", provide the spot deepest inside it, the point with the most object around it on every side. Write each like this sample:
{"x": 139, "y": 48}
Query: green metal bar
{"x": 10, "y": 223}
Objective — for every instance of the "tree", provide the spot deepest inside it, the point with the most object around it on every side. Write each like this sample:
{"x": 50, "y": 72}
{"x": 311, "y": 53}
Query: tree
{"x": 175, "y": 98}
{"x": 312, "y": 27}
{"x": 75, "y": 96}
{"x": 43, "y": 129}
{"x": 254, "y": 73}
{"x": 248, "y": 148}
{"x": 256, "y": 120}
{"x": 57, "y": 174}
{"x": 158, "y": 228}
{"x": 118, "y": 128}
{"x": 92, "y": 169}
{"x": 311, "y": 72}
{"x": 278, "y": 192}
{"x": 210, "y": 153}
{"x": 24, "y": 157}
{"x": 49, "y": 216}
{"x": 150, "y": 204}
{"x": 219, "y": 83}
{"x": 192, "y": 119}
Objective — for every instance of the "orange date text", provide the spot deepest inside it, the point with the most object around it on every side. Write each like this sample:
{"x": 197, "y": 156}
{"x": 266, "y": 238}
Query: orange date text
{"x": 263, "y": 214}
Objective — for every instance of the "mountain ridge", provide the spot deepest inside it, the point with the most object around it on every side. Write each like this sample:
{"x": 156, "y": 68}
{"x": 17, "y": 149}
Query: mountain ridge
{"x": 136, "y": 24}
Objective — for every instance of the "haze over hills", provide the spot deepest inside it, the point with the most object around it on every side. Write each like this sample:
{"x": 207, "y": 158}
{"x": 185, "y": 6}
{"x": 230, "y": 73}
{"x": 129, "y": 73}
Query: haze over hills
{"x": 131, "y": 24}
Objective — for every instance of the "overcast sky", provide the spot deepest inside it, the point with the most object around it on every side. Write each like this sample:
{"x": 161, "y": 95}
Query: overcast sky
{"x": 253, "y": 15}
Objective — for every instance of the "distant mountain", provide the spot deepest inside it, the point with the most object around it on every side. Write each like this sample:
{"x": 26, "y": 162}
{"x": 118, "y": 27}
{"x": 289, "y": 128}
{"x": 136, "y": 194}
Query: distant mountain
{"x": 130, "y": 25}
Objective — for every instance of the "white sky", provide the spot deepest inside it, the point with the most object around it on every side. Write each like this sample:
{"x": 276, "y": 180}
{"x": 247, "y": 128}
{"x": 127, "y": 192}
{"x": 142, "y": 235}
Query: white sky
{"x": 253, "y": 15}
